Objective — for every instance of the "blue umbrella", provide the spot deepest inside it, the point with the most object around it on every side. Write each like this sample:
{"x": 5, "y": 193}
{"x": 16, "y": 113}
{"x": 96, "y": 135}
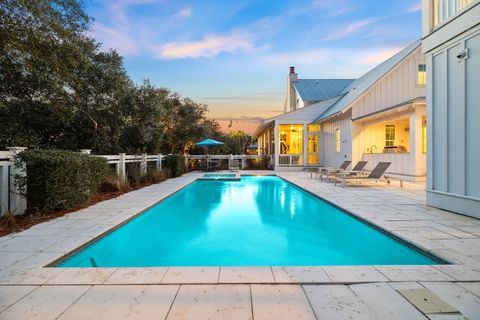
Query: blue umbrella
{"x": 209, "y": 143}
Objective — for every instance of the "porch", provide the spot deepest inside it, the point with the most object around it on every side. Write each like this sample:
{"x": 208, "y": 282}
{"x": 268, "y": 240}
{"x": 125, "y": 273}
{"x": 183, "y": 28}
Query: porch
{"x": 397, "y": 136}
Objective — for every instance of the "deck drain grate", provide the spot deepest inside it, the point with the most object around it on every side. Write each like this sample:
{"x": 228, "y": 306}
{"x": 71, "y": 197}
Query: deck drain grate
{"x": 427, "y": 302}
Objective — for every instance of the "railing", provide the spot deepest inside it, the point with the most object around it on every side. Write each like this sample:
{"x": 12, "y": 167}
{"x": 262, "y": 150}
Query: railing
{"x": 120, "y": 161}
{"x": 290, "y": 160}
{"x": 231, "y": 158}
{"x": 446, "y": 9}
{"x": 10, "y": 199}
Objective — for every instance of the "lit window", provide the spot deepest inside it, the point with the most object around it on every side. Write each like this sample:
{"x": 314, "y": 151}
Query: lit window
{"x": 422, "y": 74}
{"x": 424, "y": 135}
{"x": 338, "y": 143}
{"x": 291, "y": 138}
{"x": 390, "y": 135}
{"x": 313, "y": 128}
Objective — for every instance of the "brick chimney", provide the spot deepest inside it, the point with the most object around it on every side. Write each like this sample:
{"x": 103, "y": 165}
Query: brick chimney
{"x": 291, "y": 103}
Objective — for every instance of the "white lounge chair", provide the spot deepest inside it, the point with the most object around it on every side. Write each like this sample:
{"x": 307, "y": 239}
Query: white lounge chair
{"x": 324, "y": 170}
{"x": 377, "y": 174}
{"x": 355, "y": 172}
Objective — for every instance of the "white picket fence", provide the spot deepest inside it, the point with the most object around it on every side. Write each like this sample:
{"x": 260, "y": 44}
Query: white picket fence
{"x": 10, "y": 199}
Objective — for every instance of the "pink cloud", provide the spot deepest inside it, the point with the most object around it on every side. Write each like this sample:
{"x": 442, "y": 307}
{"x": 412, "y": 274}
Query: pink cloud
{"x": 209, "y": 46}
{"x": 348, "y": 29}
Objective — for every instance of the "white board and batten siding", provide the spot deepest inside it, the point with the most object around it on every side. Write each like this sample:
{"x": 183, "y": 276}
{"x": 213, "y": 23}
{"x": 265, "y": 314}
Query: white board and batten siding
{"x": 328, "y": 155}
{"x": 396, "y": 87}
{"x": 453, "y": 104}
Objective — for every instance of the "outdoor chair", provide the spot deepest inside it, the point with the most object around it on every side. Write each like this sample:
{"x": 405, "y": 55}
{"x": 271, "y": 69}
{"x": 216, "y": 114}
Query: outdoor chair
{"x": 357, "y": 171}
{"x": 323, "y": 170}
{"x": 377, "y": 174}
{"x": 234, "y": 165}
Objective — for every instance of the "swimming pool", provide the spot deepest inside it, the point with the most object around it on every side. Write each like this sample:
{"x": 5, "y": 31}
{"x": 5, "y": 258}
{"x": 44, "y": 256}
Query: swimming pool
{"x": 257, "y": 221}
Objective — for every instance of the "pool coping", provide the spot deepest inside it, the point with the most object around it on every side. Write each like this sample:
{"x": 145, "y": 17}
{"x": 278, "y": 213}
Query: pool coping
{"x": 36, "y": 273}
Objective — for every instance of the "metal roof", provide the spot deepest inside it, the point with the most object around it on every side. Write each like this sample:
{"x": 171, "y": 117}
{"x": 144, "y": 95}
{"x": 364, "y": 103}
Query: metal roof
{"x": 309, "y": 114}
{"x": 313, "y": 90}
{"x": 362, "y": 84}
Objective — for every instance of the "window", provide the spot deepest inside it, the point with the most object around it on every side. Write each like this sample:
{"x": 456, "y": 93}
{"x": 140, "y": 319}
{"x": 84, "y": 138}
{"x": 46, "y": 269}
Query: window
{"x": 291, "y": 138}
{"x": 424, "y": 134}
{"x": 313, "y": 128}
{"x": 338, "y": 142}
{"x": 421, "y": 74}
{"x": 390, "y": 135}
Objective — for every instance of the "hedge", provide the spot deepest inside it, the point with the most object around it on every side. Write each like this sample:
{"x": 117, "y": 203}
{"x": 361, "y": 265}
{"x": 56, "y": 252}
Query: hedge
{"x": 174, "y": 165}
{"x": 58, "y": 180}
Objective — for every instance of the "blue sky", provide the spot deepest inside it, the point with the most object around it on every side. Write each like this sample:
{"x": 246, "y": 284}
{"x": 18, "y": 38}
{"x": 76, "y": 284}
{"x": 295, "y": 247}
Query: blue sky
{"x": 234, "y": 55}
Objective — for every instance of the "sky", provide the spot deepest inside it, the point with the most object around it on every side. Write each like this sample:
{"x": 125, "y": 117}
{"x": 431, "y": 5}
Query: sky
{"x": 234, "y": 55}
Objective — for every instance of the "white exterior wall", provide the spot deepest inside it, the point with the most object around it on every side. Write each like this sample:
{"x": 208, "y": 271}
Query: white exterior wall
{"x": 453, "y": 105}
{"x": 408, "y": 165}
{"x": 328, "y": 155}
{"x": 398, "y": 86}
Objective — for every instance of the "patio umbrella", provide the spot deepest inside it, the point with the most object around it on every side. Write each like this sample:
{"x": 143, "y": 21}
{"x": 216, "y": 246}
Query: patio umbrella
{"x": 208, "y": 143}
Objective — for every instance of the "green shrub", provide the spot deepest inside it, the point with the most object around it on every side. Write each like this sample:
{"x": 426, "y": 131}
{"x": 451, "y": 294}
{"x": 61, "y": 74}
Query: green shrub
{"x": 112, "y": 183}
{"x": 174, "y": 165}
{"x": 59, "y": 180}
{"x": 153, "y": 175}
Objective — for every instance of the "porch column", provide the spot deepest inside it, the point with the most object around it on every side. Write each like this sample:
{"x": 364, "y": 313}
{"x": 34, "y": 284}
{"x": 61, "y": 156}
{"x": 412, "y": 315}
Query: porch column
{"x": 276, "y": 138}
{"x": 305, "y": 144}
{"x": 416, "y": 138}
{"x": 268, "y": 142}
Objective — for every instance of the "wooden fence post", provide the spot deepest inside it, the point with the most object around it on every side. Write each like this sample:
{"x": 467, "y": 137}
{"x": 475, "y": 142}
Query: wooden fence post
{"x": 18, "y": 203}
{"x": 121, "y": 167}
{"x": 159, "y": 162}
{"x": 143, "y": 164}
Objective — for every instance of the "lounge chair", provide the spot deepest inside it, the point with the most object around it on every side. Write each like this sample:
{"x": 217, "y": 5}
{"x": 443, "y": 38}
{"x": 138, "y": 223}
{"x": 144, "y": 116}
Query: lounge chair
{"x": 355, "y": 172}
{"x": 377, "y": 174}
{"x": 323, "y": 170}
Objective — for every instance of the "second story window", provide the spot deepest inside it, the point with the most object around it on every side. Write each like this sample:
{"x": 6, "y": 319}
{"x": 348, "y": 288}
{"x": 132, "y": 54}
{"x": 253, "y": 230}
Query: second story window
{"x": 421, "y": 74}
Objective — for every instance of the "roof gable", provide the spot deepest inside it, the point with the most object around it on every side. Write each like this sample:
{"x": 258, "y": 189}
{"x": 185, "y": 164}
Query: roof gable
{"x": 362, "y": 84}
{"x": 313, "y": 90}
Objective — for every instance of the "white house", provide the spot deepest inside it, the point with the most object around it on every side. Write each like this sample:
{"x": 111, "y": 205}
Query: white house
{"x": 451, "y": 43}
{"x": 381, "y": 117}
{"x": 378, "y": 117}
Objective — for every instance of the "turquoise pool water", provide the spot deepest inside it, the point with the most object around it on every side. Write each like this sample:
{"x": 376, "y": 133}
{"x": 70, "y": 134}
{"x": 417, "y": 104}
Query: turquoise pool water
{"x": 258, "y": 221}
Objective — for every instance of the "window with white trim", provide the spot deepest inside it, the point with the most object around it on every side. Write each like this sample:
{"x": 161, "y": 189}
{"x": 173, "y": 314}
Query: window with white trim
{"x": 338, "y": 142}
{"x": 421, "y": 74}
{"x": 389, "y": 135}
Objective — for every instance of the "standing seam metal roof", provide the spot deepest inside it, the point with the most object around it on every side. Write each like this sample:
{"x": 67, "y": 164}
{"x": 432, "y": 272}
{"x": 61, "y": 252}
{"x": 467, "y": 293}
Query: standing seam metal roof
{"x": 313, "y": 90}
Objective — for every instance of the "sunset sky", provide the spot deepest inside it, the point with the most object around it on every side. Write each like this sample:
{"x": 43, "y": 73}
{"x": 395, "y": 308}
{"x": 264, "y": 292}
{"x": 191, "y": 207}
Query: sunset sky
{"x": 234, "y": 55}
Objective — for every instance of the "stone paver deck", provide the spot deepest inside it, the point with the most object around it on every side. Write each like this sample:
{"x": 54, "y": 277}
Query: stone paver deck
{"x": 29, "y": 290}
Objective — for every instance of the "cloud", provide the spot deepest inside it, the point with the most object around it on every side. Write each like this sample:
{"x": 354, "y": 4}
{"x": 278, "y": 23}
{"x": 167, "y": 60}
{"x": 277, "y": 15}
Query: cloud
{"x": 184, "y": 13}
{"x": 295, "y": 57}
{"x": 377, "y": 56}
{"x": 114, "y": 38}
{"x": 209, "y": 46}
{"x": 415, "y": 8}
{"x": 348, "y": 29}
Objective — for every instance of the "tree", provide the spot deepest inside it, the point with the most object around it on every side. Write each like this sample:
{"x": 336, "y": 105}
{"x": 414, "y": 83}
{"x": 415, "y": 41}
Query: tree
{"x": 58, "y": 90}
{"x": 236, "y": 142}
